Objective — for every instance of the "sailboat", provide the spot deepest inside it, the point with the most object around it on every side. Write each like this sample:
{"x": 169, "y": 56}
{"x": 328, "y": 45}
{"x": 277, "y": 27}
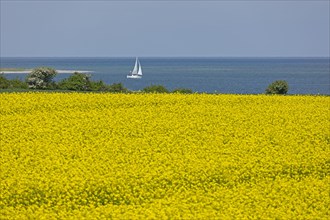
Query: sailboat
{"x": 137, "y": 71}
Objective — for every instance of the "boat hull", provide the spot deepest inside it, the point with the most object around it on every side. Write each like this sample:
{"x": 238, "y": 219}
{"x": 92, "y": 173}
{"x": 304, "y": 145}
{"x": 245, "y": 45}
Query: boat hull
{"x": 134, "y": 77}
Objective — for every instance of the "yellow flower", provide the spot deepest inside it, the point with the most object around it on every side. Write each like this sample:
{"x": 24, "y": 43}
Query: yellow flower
{"x": 159, "y": 156}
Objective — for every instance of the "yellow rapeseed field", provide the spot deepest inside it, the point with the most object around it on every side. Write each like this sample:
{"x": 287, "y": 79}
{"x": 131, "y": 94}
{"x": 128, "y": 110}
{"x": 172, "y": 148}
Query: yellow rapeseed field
{"x": 164, "y": 156}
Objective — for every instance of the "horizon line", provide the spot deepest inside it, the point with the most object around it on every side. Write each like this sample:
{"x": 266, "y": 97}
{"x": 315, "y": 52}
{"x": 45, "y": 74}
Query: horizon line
{"x": 165, "y": 56}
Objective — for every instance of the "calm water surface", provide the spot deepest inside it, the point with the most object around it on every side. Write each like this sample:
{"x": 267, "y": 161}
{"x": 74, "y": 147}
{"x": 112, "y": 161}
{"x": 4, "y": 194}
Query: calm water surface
{"x": 222, "y": 75}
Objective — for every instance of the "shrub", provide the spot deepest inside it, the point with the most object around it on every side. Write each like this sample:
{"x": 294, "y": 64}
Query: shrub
{"x": 18, "y": 84}
{"x": 155, "y": 89}
{"x": 4, "y": 82}
{"x": 41, "y": 77}
{"x": 278, "y": 87}
{"x": 101, "y": 86}
{"x": 98, "y": 86}
{"x": 117, "y": 88}
{"x": 182, "y": 90}
{"x": 77, "y": 82}
{"x": 11, "y": 84}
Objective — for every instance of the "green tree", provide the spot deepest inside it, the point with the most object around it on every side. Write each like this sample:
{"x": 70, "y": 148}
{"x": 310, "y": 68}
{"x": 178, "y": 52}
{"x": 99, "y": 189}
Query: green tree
{"x": 77, "y": 81}
{"x": 18, "y": 84}
{"x": 98, "y": 86}
{"x": 155, "y": 89}
{"x": 41, "y": 78}
{"x": 182, "y": 90}
{"x": 4, "y": 82}
{"x": 278, "y": 87}
{"x": 117, "y": 88}
{"x": 11, "y": 84}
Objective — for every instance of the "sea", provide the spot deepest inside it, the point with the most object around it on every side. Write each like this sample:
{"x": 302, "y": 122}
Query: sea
{"x": 226, "y": 75}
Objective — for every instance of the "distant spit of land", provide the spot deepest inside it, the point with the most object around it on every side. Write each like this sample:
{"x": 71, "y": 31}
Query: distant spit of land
{"x": 13, "y": 69}
{"x": 22, "y": 70}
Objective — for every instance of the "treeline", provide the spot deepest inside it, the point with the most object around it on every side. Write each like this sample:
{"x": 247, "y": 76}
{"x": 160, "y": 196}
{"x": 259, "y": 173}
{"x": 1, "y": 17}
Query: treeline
{"x": 41, "y": 78}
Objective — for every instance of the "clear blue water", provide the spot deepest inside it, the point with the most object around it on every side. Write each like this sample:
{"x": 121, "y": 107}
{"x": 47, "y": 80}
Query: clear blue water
{"x": 222, "y": 75}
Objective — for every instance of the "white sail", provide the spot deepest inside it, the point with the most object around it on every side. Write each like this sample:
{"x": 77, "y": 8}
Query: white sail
{"x": 135, "y": 70}
{"x": 140, "y": 69}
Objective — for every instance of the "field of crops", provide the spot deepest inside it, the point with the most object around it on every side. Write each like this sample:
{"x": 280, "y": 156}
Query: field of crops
{"x": 159, "y": 156}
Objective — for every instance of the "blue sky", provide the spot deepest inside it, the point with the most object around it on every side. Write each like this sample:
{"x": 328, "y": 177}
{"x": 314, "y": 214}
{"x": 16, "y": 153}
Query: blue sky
{"x": 164, "y": 28}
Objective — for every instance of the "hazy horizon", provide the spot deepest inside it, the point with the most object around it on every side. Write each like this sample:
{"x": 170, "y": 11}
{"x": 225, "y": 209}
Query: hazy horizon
{"x": 166, "y": 57}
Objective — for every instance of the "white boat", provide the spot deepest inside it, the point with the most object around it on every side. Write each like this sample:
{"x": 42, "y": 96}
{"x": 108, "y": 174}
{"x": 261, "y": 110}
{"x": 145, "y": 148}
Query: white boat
{"x": 137, "y": 71}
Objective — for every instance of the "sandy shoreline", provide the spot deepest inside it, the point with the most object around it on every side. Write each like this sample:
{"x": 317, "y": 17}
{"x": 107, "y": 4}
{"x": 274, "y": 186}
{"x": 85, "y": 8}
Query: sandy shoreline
{"x": 58, "y": 71}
